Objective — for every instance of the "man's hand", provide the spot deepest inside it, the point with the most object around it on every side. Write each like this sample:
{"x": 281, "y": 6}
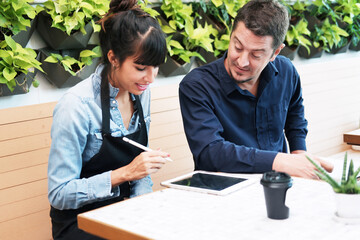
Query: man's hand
{"x": 297, "y": 165}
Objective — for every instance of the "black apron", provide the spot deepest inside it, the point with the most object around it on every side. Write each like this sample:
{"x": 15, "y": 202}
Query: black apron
{"x": 114, "y": 153}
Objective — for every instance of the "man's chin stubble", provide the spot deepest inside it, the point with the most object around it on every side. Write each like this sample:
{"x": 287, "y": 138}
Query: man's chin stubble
{"x": 240, "y": 81}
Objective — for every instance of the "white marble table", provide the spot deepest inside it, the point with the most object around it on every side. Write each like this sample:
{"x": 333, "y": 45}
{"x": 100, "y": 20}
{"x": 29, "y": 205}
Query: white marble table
{"x": 177, "y": 214}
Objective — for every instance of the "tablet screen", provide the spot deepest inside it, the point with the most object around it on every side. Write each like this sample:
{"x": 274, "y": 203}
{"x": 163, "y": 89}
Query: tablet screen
{"x": 209, "y": 181}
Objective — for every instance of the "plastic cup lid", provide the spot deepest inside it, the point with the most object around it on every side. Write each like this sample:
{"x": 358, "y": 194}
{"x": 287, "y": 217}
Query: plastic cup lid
{"x": 273, "y": 177}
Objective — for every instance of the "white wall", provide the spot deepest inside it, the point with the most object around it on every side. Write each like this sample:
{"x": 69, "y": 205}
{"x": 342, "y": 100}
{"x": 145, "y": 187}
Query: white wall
{"x": 331, "y": 91}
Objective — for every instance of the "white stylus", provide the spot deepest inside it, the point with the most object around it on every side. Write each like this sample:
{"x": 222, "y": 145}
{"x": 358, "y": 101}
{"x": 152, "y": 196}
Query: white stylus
{"x": 141, "y": 146}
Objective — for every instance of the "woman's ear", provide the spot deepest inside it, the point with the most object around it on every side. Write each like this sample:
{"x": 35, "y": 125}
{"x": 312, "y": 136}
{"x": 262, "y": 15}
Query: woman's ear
{"x": 112, "y": 58}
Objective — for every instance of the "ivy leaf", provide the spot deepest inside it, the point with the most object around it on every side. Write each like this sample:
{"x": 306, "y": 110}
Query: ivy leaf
{"x": 10, "y": 42}
{"x": 217, "y": 3}
{"x": 2, "y": 79}
{"x": 167, "y": 29}
{"x": 87, "y": 6}
{"x": 58, "y": 19}
{"x": 87, "y": 53}
{"x": 175, "y": 44}
{"x": 70, "y": 23}
{"x": 9, "y": 73}
{"x": 51, "y": 59}
{"x": 4, "y": 54}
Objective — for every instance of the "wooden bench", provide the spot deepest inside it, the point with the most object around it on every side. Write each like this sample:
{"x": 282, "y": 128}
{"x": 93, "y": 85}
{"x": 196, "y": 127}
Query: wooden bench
{"x": 24, "y": 150}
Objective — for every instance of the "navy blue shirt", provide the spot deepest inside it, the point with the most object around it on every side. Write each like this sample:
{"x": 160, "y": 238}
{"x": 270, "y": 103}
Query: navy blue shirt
{"x": 229, "y": 129}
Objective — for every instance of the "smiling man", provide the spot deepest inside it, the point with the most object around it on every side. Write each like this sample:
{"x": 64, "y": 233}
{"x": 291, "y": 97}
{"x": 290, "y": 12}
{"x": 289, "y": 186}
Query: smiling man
{"x": 242, "y": 111}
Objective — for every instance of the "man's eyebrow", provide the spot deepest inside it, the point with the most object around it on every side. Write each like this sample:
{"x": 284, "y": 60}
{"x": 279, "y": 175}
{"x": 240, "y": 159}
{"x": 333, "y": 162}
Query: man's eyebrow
{"x": 254, "y": 50}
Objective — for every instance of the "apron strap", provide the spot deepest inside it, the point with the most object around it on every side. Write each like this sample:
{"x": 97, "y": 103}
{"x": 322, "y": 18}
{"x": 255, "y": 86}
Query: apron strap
{"x": 105, "y": 106}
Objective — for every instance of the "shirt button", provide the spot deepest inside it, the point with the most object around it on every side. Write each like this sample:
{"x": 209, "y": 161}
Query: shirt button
{"x": 113, "y": 108}
{"x": 114, "y": 102}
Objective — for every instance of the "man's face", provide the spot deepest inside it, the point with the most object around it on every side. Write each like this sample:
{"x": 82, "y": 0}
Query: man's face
{"x": 248, "y": 54}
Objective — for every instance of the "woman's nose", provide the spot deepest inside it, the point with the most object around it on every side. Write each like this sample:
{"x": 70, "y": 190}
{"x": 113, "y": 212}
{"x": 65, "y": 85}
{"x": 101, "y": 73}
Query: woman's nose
{"x": 151, "y": 74}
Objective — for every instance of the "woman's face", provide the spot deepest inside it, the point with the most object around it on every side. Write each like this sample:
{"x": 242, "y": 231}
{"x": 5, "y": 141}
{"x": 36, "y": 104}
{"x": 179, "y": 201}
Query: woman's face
{"x": 132, "y": 77}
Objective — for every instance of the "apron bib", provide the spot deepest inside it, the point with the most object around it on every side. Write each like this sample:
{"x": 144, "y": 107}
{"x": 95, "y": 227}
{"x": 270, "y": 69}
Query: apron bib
{"x": 114, "y": 153}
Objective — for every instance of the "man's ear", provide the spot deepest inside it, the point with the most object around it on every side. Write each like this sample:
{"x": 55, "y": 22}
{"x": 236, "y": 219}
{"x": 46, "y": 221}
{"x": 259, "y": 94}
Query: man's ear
{"x": 277, "y": 51}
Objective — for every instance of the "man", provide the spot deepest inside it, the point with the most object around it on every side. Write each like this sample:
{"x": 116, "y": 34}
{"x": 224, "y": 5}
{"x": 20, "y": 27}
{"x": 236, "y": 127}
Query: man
{"x": 237, "y": 110}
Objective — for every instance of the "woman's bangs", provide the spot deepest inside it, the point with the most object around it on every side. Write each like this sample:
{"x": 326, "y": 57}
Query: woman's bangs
{"x": 152, "y": 50}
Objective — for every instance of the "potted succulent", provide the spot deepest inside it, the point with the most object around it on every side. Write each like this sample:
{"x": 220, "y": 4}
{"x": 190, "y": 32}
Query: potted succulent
{"x": 347, "y": 191}
{"x": 65, "y": 68}
{"x": 17, "y": 67}
{"x": 17, "y": 19}
{"x": 69, "y": 24}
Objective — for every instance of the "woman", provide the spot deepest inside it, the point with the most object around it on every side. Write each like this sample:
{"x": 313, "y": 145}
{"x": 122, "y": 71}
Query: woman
{"x": 89, "y": 164}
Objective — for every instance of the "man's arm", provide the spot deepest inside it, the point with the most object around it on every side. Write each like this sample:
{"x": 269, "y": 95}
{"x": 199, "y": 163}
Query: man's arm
{"x": 296, "y": 124}
{"x": 296, "y": 163}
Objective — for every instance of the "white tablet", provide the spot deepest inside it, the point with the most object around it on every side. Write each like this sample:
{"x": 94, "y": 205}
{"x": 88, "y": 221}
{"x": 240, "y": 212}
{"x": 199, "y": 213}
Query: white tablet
{"x": 209, "y": 182}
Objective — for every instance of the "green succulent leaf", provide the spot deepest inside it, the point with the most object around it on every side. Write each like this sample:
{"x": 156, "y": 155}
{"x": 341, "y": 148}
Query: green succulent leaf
{"x": 348, "y": 183}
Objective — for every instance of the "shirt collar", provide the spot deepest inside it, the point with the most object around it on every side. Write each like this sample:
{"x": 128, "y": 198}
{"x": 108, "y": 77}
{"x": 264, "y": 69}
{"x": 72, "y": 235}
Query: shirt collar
{"x": 228, "y": 84}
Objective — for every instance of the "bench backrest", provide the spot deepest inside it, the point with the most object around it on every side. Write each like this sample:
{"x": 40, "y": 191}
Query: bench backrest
{"x": 24, "y": 150}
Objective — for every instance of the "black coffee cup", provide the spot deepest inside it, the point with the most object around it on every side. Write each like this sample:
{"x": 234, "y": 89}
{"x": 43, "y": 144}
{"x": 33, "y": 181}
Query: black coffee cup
{"x": 275, "y": 186}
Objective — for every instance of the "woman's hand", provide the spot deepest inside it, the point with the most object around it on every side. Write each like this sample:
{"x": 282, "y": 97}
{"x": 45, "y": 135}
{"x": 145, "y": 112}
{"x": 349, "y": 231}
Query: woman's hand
{"x": 144, "y": 164}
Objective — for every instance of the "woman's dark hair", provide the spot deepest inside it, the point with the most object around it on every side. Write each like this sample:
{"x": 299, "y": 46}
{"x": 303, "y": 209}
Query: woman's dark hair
{"x": 265, "y": 18}
{"x": 129, "y": 31}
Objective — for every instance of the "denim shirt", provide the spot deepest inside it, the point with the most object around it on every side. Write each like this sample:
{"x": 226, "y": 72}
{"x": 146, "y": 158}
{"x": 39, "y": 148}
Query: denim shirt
{"x": 76, "y": 138}
{"x": 231, "y": 130}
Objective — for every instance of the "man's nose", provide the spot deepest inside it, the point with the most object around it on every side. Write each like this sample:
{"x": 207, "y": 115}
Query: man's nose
{"x": 243, "y": 59}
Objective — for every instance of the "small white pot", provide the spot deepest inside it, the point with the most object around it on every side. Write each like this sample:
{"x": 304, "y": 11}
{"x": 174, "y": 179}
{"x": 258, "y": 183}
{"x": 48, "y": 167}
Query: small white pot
{"x": 347, "y": 205}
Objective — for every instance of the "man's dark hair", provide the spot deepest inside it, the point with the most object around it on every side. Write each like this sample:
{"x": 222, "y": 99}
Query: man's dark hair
{"x": 265, "y": 18}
